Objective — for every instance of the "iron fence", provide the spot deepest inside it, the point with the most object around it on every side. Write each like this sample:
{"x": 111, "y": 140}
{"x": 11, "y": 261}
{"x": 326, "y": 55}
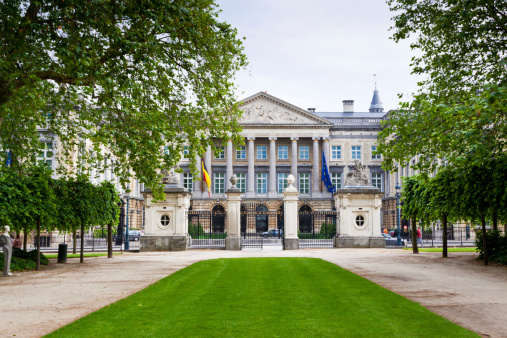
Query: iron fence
{"x": 317, "y": 229}
{"x": 455, "y": 237}
{"x": 261, "y": 227}
{"x": 207, "y": 229}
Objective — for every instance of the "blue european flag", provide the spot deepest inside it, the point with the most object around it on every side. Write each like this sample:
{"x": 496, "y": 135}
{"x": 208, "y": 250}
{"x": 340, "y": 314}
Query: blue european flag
{"x": 324, "y": 177}
{"x": 9, "y": 159}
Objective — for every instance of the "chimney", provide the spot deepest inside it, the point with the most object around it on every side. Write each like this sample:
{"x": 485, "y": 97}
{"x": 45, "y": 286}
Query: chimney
{"x": 311, "y": 110}
{"x": 348, "y": 106}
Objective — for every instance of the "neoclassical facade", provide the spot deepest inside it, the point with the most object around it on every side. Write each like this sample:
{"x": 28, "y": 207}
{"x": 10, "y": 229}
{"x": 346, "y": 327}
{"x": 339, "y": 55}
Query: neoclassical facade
{"x": 282, "y": 139}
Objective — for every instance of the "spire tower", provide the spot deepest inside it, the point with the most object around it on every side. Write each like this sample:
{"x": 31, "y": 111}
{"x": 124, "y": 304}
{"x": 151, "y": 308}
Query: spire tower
{"x": 376, "y": 105}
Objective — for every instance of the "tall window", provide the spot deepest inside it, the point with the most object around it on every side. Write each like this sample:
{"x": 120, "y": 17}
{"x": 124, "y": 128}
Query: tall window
{"x": 374, "y": 156}
{"x": 376, "y": 180}
{"x": 262, "y": 152}
{"x": 283, "y": 152}
{"x": 185, "y": 152}
{"x": 241, "y": 182}
{"x": 262, "y": 183}
{"x": 219, "y": 183}
{"x": 188, "y": 181}
{"x": 336, "y": 152}
{"x": 336, "y": 179}
{"x": 304, "y": 152}
{"x": 304, "y": 183}
{"x": 282, "y": 182}
{"x": 241, "y": 152}
{"x": 46, "y": 154}
{"x": 356, "y": 152}
{"x": 220, "y": 154}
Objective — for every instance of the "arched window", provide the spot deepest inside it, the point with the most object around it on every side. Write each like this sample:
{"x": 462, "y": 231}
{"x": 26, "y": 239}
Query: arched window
{"x": 305, "y": 219}
{"x": 218, "y": 218}
{"x": 261, "y": 219}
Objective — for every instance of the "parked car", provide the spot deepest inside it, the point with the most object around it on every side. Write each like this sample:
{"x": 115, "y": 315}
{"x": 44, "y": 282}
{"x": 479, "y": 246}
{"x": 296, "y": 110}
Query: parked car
{"x": 134, "y": 235}
{"x": 392, "y": 241}
{"x": 273, "y": 233}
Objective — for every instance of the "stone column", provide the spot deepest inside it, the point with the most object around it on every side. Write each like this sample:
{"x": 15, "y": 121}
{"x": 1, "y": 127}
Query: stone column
{"x": 233, "y": 239}
{"x": 251, "y": 167}
{"x": 272, "y": 167}
{"x": 228, "y": 172}
{"x": 290, "y": 207}
{"x": 197, "y": 183}
{"x": 315, "y": 171}
{"x": 294, "y": 160}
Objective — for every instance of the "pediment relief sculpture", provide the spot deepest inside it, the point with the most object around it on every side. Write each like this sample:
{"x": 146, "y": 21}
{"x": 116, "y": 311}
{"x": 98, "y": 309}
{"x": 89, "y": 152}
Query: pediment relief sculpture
{"x": 265, "y": 112}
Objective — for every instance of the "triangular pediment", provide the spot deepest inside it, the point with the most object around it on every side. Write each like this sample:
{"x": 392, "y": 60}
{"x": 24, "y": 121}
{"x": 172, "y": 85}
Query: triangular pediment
{"x": 263, "y": 108}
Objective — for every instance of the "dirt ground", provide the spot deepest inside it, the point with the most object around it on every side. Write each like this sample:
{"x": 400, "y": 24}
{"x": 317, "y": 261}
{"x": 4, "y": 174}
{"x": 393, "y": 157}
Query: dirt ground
{"x": 458, "y": 288}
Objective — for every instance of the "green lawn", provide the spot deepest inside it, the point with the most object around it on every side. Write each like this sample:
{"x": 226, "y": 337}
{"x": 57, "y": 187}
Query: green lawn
{"x": 474, "y": 249}
{"x": 263, "y": 297}
{"x": 89, "y": 254}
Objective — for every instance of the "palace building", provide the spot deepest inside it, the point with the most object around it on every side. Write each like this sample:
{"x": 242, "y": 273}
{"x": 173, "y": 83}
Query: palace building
{"x": 282, "y": 139}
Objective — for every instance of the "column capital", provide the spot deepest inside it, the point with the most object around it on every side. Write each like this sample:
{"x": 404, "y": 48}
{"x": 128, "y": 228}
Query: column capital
{"x": 315, "y": 139}
{"x": 272, "y": 139}
{"x": 326, "y": 139}
{"x": 294, "y": 139}
{"x": 251, "y": 139}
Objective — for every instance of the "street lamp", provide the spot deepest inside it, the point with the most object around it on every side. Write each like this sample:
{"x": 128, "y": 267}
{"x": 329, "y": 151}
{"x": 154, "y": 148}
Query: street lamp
{"x": 127, "y": 247}
{"x": 397, "y": 187}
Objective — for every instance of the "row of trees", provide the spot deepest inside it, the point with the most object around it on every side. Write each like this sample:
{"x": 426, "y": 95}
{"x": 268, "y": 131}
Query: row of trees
{"x": 32, "y": 200}
{"x": 474, "y": 194}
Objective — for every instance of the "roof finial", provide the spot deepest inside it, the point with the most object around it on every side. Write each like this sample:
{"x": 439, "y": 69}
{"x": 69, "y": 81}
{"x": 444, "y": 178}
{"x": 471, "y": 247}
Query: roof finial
{"x": 375, "y": 76}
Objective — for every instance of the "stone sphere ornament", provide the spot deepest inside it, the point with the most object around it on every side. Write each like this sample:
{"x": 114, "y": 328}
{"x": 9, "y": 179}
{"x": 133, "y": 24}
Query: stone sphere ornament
{"x": 234, "y": 180}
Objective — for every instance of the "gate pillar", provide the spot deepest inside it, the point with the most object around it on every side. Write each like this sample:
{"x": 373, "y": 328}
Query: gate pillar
{"x": 166, "y": 221}
{"x": 290, "y": 205}
{"x": 233, "y": 239}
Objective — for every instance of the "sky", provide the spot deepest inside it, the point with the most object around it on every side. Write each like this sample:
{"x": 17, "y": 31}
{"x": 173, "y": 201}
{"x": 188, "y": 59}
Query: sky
{"x": 317, "y": 53}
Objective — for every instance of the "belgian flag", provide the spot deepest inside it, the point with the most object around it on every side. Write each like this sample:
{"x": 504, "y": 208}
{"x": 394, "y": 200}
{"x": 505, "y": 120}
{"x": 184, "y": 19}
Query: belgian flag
{"x": 205, "y": 176}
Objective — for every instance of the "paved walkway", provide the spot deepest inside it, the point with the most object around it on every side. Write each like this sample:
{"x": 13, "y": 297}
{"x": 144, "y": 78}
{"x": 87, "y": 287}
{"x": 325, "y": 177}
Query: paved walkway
{"x": 458, "y": 288}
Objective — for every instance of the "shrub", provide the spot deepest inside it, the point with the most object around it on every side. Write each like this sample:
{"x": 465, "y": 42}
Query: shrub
{"x": 31, "y": 255}
{"x": 195, "y": 229}
{"x": 497, "y": 246}
{"x": 18, "y": 264}
{"x": 328, "y": 230}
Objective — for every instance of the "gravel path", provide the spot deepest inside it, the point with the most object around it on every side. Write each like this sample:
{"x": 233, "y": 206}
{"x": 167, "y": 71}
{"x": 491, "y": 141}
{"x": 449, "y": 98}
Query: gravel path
{"x": 458, "y": 288}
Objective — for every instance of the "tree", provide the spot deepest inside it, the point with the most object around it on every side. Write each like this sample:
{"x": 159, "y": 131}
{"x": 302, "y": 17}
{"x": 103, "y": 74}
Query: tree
{"x": 460, "y": 111}
{"x": 131, "y": 77}
{"x": 109, "y": 211}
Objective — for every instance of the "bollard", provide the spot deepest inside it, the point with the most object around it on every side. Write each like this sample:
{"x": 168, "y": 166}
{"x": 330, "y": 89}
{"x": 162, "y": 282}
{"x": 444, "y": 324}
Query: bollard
{"x": 62, "y": 253}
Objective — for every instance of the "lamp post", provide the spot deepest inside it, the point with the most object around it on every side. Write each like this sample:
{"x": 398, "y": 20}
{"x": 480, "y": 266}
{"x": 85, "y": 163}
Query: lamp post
{"x": 127, "y": 247}
{"x": 397, "y": 187}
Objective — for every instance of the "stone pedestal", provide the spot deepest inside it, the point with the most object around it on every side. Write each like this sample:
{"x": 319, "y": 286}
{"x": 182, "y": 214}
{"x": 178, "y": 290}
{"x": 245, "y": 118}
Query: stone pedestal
{"x": 166, "y": 222}
{"x": 233, "y": 239}
{"x": 359, "y": 210}
{"x": 290, "y": 205}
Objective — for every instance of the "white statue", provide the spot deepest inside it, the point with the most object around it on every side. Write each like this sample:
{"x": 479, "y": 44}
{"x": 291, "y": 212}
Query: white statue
{"x": 170, "y": 177}
{"x": 5, "y": 238}
{"x": 358, "y": 177}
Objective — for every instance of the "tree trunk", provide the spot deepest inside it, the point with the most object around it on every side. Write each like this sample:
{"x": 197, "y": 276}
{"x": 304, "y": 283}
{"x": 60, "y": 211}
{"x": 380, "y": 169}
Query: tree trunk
{"x": 415, "y": 249}
{"x": 495, "y": 221}
{"x": 444, "y": 235}
{"x": 74, "y": 241}
{"x": 109, "y": 240}
{"x": 25, "y": 238}
{"x": 81, "y": 256}
{"x": 484, "y": 245}
{"x": 38, "y": 244}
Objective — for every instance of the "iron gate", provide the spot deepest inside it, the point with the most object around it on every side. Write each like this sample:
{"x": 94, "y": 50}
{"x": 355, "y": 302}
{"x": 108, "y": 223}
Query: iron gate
{"x": 260, "y": 227}
{"x": 317, "y": 229}
{"x": 207, "y": 228}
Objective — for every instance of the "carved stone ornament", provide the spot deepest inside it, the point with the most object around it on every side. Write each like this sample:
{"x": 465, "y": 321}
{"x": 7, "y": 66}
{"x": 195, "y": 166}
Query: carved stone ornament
{"x": 290, "y": 181}
{"x": 234, "y": 180}
{"x": 358, "y": 177}
{"x": 170, "y": 177}
{"x": 269, "y": 113}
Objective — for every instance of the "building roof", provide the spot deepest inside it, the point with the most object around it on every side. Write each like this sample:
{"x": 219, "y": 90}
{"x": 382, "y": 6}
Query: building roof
{"x": 376, "y": 105}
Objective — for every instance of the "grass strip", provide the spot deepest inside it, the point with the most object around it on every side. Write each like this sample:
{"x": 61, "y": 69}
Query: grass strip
{"x": 91, "y": 254}
{"x": 263, "y": 297}
{"x": 474, "y": 249}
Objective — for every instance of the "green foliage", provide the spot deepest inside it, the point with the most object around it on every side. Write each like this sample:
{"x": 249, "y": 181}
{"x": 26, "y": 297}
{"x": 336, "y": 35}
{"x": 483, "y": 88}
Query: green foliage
{"x": 195, "y": 230}
{"x": 18, "y": 264}
{"x": 496, "y": 244}
{"x": 137, "y": 73}
{"x": 328, "y": 229}
{"x": 31, "y": 255}
{"x": 459, "y": 113}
